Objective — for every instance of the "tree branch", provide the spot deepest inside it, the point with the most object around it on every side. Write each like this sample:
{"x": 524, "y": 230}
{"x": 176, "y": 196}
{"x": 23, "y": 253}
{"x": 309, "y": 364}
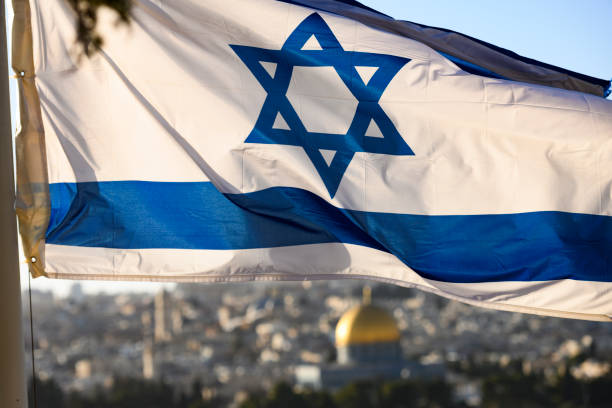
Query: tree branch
{"x": 86, "y": 11}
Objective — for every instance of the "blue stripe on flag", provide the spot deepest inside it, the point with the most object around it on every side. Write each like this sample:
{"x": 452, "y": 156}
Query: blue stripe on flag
{"x": 454, "y": 248}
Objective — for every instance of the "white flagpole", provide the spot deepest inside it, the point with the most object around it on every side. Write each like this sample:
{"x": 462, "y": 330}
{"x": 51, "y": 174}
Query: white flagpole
{"x": 12, "y": 376}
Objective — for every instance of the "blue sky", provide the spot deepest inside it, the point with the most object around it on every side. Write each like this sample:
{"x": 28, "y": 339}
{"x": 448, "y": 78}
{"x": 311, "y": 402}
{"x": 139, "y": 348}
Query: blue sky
{"x": 572, "y": 34}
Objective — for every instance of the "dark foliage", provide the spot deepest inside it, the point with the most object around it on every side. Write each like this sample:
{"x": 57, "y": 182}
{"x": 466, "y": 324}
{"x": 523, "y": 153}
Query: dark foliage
{"x": 87, "y": 18}
{"x": 514, "y": 390}
{"x": 123, "y": 393}
{"x": 363, "y": 394}
{"x": 500, "y": 389}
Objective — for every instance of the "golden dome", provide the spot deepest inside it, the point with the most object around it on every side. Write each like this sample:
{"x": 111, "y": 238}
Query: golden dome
{"x": 366, "y": 324}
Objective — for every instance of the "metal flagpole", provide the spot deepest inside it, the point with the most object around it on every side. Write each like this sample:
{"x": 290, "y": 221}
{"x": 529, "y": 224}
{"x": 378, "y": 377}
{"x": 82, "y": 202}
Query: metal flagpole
{"x": 12, "y": 376}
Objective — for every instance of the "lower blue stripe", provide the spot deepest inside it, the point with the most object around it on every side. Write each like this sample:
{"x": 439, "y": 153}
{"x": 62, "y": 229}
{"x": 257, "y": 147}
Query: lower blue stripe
{"x": 453, "y": 248}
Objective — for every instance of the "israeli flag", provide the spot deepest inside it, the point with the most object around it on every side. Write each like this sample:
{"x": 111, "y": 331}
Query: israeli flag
{"x": 232, "y": 140}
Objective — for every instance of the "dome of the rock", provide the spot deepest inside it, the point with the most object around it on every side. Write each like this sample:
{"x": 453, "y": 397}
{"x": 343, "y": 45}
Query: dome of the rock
{"x": 366, "y": 324}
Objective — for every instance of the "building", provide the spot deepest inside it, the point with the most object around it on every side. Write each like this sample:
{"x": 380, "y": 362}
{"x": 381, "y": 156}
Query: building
{"x": 367, "y": 342}
{"x": 148, "y": 360}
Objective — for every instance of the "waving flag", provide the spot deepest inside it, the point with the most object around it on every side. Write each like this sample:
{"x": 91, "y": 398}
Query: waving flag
{"x": 274, "y": 140}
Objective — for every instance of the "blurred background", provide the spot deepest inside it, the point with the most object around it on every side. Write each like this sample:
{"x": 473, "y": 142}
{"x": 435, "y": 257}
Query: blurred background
{"x": 310, "y": 344}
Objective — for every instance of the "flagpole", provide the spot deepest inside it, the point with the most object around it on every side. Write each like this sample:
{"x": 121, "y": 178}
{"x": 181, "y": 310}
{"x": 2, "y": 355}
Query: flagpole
{"x": 12, "y": 376}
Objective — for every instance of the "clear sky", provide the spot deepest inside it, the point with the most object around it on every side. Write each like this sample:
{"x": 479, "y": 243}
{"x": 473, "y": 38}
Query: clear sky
{"x": 573, "y": 34}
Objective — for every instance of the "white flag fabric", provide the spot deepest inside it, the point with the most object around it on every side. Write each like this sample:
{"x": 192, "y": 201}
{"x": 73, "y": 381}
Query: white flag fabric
{"x": 231, "y": 140}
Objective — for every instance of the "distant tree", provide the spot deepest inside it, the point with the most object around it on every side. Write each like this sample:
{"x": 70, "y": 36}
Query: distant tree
{"x": 283, "y": 395}
{"x": 500, "y": 390}
{"x": 599, "y": 391}
{"x": 48, "y": 394}
{"x": 254, "y": 400}
{"x": 193, "y": 399}
{"x": 396, "y": 394}
{"x": 319, "y": 399}
{"x": 360, "y": 394}
{"x": 512, "y": 388}
{"x": 515, "y": 390}
{"x": 130, "y": 392}
{"x": 417, "y": 393}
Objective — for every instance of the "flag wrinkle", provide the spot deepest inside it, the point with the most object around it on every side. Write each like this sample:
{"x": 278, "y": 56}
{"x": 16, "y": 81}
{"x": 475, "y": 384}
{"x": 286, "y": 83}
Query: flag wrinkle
{"x": 207, "y": 142}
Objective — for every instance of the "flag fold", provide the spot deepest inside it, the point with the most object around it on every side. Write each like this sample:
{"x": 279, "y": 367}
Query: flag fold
{"x": 289, "y": 140}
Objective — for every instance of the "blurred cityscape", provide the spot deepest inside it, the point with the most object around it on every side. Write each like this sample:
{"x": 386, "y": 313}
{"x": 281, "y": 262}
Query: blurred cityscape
{"x": 243, "y": 345}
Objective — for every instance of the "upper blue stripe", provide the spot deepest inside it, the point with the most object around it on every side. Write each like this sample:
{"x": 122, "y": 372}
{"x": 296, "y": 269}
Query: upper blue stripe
{"x": 454, "y": 248}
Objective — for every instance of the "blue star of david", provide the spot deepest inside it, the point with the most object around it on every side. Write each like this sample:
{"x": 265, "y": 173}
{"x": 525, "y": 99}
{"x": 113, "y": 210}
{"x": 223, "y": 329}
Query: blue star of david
{"x": 330, "y": 54}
